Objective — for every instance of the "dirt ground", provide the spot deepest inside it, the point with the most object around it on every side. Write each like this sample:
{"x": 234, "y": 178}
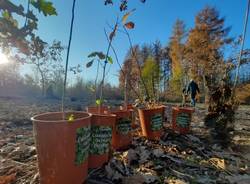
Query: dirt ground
{"x": 175, "y": 158}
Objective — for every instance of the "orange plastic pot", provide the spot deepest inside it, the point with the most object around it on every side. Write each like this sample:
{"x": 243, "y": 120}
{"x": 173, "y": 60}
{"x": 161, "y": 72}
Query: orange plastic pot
{"x": 101, "y": 136}
{"x": 62, "y": 146}
{"x": 130, "y": 107}
{"x": 95, "y": 109}
{"x": 121, "y": 135}
{"x": 181, "y": 119}
{"x": 152, "y": 122}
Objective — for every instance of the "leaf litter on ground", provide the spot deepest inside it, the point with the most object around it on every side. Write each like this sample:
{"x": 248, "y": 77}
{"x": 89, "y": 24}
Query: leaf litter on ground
{"x": 174, "y": 158}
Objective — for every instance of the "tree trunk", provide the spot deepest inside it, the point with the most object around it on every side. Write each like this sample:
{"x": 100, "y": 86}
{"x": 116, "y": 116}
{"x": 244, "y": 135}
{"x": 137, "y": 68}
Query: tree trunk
{"x": 126, "y": 92}
{"x": 43, "y": 86}
{"x": 43, "y": 80}
{"x": 206, "y": 91}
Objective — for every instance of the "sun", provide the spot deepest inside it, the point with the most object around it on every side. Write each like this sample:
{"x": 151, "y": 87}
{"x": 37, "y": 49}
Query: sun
{"x": 3, "y": 59}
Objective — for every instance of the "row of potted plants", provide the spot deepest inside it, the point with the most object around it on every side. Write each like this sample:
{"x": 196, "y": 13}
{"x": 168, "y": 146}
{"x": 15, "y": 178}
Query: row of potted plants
{"x": 66, "y": 149}
{"x": 69, "y": 143}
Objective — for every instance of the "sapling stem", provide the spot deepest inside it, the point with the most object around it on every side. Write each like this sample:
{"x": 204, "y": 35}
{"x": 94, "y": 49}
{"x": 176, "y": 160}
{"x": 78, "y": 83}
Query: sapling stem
{"x": 67, "y": 58}
{"x": 104, "y": 68}
{"x": 97, "y": 72}
{"x": 138, "y": 64}
{"x": 125, "y": 93}
{"x": 241, "y": 49}
{"x": 123, "y": 73}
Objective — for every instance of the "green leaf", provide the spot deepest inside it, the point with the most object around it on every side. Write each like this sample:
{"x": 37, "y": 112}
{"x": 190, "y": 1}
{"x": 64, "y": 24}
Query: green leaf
{"x": 98, "y": 102}
{"x": 6, "y": 14}
{"x": 100, "y": 55}
{"x": 71, "y": 118}
{"x": 44, "y": 6}
{"x": 89, "y": 64}
{"x": 110, "y": 60}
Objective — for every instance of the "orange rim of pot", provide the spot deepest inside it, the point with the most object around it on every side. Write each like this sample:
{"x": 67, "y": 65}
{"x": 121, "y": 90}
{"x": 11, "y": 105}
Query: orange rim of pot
{"x": 184, "y": 109}
{"x": 36, "y": 118}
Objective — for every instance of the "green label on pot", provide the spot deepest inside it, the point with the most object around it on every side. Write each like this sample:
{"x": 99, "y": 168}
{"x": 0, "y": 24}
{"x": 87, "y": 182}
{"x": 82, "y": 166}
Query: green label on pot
{"x": 183, "y": 120}
{"x": 124, "y": 125}
{"x": 100, "y": 139}
{"x": 156, "y": 122}
{"x": 82, "y": 144}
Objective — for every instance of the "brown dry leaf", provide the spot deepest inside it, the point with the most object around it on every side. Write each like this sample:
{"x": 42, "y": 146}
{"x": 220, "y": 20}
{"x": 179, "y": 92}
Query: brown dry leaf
{"x": 232, "y": 168}
{"x": 217, "y": 162}
{"x": 158, "y": 152}
{"x": 130, "y": 155}
{"x": 8, "y": 179}
{"x": 138, "y": 179}
{"x": 239, "y": 179}
{"x": 144, "y": 155}
{"x": 130, "y": 25}
{"x": 149, "y": 177}
{"x": 174, "y": 181}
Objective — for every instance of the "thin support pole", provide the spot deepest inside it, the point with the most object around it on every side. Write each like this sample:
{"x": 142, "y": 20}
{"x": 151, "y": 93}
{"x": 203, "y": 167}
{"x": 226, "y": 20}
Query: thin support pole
{"x": 242, "y": 46}
{"x": 67, "y": 58}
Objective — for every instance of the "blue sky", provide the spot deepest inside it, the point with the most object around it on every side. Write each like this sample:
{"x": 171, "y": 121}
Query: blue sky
{"x": 153, "y": 20}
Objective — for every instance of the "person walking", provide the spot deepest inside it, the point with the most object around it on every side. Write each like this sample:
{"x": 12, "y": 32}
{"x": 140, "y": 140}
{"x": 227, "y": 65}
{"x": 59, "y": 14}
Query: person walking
{"x": 193, "y": 89}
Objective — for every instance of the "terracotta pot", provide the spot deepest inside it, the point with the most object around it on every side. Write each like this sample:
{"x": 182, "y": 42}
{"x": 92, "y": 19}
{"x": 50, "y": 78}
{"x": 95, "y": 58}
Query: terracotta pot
{"x": 95, "y": 109}
{"x": 62, "y": 146}
{"x": 121, "y": 135}
{"x": 181, "y": 119}
{"x": 101, "y": 136}
{"x": 152, "y": 122}
{"x": 130, "y": 107}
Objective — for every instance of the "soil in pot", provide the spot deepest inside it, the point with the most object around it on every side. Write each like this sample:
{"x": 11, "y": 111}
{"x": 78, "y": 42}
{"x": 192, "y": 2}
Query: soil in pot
{"x": 121, "y": 135}
{"x": 62, "y": 146}
{"x": 181, "y": 119}
{"x": 101, "y": 136}
{"x": 151, "y": 121}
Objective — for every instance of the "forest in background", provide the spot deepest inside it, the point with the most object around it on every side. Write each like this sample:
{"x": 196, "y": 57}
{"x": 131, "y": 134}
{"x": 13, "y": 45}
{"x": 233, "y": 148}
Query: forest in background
{"x": 205, "y": 53}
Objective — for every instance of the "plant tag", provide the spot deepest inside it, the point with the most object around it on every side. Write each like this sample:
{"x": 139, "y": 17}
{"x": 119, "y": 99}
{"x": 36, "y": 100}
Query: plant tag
{"x": 156, "y": 122}
{"x": 183, "y": 120}
{"x": 100, "y": 139}
{"x": 124, "y": 126}
{"x": 82, "y": 144}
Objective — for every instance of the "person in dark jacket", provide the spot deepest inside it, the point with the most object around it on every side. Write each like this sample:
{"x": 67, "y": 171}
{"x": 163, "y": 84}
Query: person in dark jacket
{"x": 193, "y": 89}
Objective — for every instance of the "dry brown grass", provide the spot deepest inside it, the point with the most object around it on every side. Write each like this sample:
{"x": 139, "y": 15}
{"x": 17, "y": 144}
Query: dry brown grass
{"x": 243, "y": 94}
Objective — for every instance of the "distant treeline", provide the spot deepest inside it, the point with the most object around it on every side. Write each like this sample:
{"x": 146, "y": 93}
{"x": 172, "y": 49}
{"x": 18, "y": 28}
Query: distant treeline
{"x": 12, "y": 83}
{"x": 206, "y": 53}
